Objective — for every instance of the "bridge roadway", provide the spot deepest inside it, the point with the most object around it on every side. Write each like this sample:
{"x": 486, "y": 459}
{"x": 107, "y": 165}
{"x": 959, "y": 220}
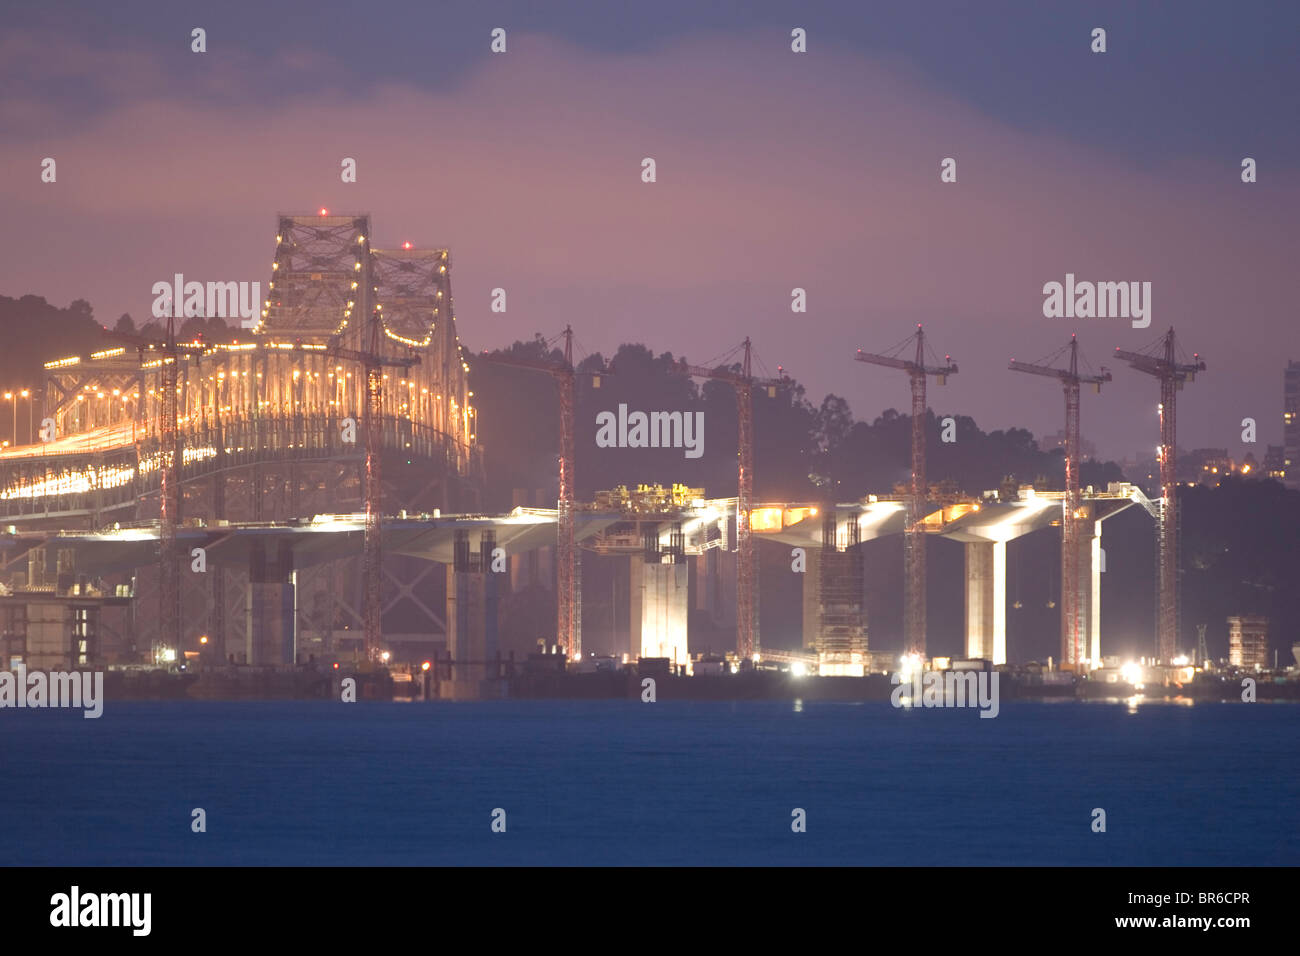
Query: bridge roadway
{"x": 97, "y": 475}
{"x": 983, "y": 528}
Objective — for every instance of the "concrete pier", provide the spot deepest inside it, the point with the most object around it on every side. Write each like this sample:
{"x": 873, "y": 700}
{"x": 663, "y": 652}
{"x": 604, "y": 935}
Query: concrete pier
{"x": 271, "y": 620}
{"x": 659, "y": 610}
{"x": 986, "y": 600}
{"x": 472, "y": 615}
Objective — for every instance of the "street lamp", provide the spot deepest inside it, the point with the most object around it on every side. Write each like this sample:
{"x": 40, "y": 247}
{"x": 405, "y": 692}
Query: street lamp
{"x": 13, "y": 397}
{"x": 31, "y": 401}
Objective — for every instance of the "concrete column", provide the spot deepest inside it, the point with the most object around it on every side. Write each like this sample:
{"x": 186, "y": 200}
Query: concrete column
{"x": 472, "y": 602}
{"x": 269, "y": 607}
{"x": 635, "y": 604}
{"x": 811, "y": 598}
{"x": 725, "y": 609}
{"x": 664, "y": 611}
{"x": 1090, "y": 588}
{"x": 701, "y": 562}
{"x": 711, "y": 590}
{"x": 986, "y": 600}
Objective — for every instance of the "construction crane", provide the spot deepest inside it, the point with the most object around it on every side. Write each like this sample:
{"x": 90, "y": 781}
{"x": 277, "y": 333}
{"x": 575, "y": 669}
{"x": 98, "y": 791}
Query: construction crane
{"x": 1072, "y": 611}
{"x": 914, "y": 532}
{"x": 169, "y": 353}
{"x": 374, "y": 362}
{"x": 1161, "y": 360}
{"x": 568, "y": 601}
{"x": 747, "y": 642}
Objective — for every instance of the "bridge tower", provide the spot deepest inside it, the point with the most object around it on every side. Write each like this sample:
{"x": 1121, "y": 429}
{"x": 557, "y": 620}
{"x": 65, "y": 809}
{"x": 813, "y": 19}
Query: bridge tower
{"x": 320, "y": 280}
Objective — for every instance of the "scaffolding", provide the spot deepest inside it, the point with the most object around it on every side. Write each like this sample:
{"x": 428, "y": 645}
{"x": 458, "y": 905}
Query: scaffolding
{"x": 842, "y": 630}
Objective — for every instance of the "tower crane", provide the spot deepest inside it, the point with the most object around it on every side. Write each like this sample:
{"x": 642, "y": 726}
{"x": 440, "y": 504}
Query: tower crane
{"x": 743, "y": 382}
{"x": 1072, "y": 623}
{"x": 914, "y": 533}
{"x": 373, "y": 361}
{"x": 1161, "y": 361}
{"x": 169, "y": 493}
{"x": 568, "y": 598}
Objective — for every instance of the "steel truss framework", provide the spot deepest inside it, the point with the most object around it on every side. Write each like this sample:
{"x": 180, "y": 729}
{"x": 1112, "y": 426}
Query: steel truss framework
{"x": 273, "y": 427}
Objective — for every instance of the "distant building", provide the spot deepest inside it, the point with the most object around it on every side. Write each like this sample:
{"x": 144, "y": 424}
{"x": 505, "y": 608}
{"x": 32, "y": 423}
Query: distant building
{"x": 1248, "y": 641}
{"x": 1275, "y": 462}
{"x": 1291, "y": 423}
{"x": 1205, "y": 466}
{"x": 1209, "y": 466}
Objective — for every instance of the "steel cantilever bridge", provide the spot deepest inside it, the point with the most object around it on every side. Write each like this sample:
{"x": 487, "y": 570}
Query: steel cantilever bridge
{"x": 356, "y": 351}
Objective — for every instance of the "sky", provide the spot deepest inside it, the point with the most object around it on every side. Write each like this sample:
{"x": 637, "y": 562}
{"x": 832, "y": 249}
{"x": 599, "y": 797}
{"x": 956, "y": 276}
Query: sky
{"x": 775, "y": 170}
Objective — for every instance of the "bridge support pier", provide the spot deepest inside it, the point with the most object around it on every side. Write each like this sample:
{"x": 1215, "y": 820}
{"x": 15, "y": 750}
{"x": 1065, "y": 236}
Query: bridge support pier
{"x": 472, "y": 604}
{"x": 986, "y": 600}
{"x": 812, "y": 619}
{"x": 836, "y": 576}
{"x": 271, "y": 633}
{"x": 1090, "y": 568}
{"x": 659, "y": 609}
{"x": 214, "y": 652}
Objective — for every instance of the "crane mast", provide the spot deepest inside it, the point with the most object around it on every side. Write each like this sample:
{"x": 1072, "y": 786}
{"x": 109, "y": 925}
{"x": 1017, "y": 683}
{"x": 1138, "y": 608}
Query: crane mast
{"x": 743, "y": 382}
{"x": 1072, "y": 609}
{"x": 568, "y": 599}
{"x": 566, "y": 548}
{"x": 914, "y": 626}
{"x": 169, "y": 450}
{"x": 1165, "y": 367}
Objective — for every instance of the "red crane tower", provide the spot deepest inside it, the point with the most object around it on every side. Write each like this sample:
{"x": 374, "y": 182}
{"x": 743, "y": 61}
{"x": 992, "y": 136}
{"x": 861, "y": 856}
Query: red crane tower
{"x": 568, "y": 601}
{"x": 1072, "y": 617}
{"x": 1161, "y": 360}
{"x": 169, "y": 353}
{"x": 747, "y": 643}
{"x": 373, "y": 361}
{"x": 913, "y": 533}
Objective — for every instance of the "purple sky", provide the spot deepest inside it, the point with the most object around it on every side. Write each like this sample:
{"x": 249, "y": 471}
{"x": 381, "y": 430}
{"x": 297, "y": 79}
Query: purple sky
{"x": 775, "y": 170}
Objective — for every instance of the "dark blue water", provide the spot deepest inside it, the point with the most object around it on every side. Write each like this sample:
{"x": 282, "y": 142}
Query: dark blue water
{"x": 622, "y": 782}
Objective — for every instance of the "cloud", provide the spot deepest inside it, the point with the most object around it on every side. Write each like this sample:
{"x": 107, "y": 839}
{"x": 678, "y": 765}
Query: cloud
{"x": 775, "y": 170}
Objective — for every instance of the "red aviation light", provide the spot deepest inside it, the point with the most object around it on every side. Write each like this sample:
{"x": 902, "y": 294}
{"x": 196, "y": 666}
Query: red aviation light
{"x": 324, "y": 211}
{"x": 406, "y": 245}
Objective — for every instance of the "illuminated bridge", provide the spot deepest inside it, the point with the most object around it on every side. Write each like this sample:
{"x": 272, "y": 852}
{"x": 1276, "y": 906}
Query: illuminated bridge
{"x": 252, "y": 411}
{"x": 268, "y": 428}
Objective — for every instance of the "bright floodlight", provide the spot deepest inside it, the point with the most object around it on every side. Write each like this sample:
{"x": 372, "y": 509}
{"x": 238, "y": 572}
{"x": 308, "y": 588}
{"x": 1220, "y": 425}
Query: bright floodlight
{"x": 907, "y": 664}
